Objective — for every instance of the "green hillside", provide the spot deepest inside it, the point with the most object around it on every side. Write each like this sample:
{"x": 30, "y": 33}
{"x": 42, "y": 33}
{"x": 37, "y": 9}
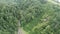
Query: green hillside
{"x": 32, "y": 16}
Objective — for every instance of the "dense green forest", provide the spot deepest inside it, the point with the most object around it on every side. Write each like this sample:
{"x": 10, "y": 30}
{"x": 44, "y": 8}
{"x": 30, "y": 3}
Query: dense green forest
{"x": 35, "y": 16}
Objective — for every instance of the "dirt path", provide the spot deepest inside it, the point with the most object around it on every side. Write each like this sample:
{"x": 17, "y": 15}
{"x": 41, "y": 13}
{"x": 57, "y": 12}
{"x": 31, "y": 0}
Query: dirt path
{"x": 21, "y": 31}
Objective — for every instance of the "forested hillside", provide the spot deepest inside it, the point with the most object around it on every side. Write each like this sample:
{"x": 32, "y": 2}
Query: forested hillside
{"x": 33, "y": 16}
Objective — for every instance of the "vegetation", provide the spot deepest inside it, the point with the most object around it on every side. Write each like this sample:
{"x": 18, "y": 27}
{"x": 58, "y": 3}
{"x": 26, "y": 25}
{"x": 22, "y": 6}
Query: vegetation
{"x": 36, "y": 17}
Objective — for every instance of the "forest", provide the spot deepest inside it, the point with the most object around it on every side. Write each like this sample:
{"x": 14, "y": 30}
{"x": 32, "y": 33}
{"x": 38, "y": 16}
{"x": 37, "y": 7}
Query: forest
{"x": 33, "y": 16}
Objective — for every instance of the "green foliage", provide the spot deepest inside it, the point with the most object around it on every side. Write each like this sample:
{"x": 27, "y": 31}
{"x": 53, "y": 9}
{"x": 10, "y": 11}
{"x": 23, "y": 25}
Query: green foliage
{"x": 36, "y": 16}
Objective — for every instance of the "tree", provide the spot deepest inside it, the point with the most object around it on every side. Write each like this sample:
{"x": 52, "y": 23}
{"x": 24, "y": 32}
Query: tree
{"x": 35, "y": 16}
